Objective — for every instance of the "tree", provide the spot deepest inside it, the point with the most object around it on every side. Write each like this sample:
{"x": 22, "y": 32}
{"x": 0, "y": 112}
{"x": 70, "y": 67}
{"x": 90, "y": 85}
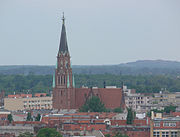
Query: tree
{"x": 130, "y": 116}
{"x": 38, "y": 117}
{"x": 154, "y": 110}
{"x": 93, "y": 104}
{"x": 118, "y": 110}
{"x": 170, "y": 108}
{"x": 107, "y": 135}
{"x": 48, "y": 132}
{"x": 118, "y": 134}
{"x": 10, "y": 118}
{"x": 26, "y": 134}
{"x": 29, "y": 118}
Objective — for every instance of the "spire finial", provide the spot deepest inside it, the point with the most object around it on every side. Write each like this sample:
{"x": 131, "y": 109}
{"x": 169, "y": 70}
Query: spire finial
{"x": 63, "y": 19}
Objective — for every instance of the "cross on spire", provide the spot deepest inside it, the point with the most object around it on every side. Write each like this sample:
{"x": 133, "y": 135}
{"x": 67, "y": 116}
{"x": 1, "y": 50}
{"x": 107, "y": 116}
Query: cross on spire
{"x": 63, "y": 19}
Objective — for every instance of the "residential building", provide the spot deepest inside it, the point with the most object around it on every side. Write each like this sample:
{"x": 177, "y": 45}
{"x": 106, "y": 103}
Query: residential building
{"x": 27, "y": 102}
{"x": 165, "y": 126}
{"x": 139, "y": 102}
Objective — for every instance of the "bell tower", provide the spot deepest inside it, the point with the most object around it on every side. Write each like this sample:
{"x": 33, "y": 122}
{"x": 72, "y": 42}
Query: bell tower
{"x": 63, "y": 87}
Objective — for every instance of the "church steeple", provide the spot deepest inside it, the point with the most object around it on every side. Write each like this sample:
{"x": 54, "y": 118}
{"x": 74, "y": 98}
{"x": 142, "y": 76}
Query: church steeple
{"x": 63, "y": 85}
{"x": 63, "y": 75}
{"x": 63, "y": 46}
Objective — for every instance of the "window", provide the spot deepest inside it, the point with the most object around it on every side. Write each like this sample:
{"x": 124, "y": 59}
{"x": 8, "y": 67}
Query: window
{"x": 173, "y": 134}
{"x": 64, "y": 79}
{"x": 165, "y": 134}
{"x": 157, "y": 124}
{"x": 156, "y": 134}
{"x": 169, "y": 124}
{"x": 172, "y": 124}
{"x": 59, "y": 80}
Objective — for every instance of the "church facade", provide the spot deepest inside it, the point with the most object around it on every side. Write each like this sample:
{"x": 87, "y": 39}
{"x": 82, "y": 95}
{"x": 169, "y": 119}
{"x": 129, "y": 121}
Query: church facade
{"x": 65, "y": 95}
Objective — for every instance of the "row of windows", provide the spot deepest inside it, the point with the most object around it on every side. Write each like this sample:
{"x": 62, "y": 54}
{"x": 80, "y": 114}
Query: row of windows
{"x": 165, "y": 124}
{"x": 165, "y": 134}
{"x": 137, "y": 98}
{"x": 137, "y": 102}
{"x": 46, "y": 105}
{"x": 61, "y": 80}
{"x": 36, "y": 101}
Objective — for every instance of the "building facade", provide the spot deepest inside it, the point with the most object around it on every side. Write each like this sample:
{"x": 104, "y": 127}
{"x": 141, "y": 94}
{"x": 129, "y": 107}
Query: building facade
{"x": 139, "y": 102}
{"x": 65, "y": 95}
{"x": 164, "y": 126}
{"x": 27, "y": 103}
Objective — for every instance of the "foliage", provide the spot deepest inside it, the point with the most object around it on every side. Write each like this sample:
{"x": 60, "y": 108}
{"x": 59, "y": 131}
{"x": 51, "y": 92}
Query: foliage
{"x": 25, "y": 83}
{"x": 10, "y": 118}
{"x": 43, "y": 83}
{"x": 118, "y": 134}
{"x": 26, "y": 134}
{"x": 93, "y": 104}
{"x": 154, "y": 110}
{"x": 29, "y": 118}
{"x": 167, "y": 109}
{"x": 170, "y": 108}
{"x": 118, "y": 110}
{"x": 107, "y": 135}
{"x": 48, "y": 132}
{"x": 130, "y": 116}
{"x": 38, "y": 117}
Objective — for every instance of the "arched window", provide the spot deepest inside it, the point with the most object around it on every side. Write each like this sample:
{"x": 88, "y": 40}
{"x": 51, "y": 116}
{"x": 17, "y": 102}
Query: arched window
{"x": 59, "y": 80}
{"x": 64, "y": 79}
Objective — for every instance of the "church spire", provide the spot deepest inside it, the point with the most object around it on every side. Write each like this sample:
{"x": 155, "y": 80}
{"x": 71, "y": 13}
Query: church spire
{"x": 63, "y": 47}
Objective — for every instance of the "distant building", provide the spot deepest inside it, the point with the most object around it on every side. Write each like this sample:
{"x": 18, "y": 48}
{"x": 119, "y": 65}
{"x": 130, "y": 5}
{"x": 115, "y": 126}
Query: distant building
{"x": 165, "y": 126}
{"x": 66, "y": 96}
{"x": 27, "y": 102}
{"x": 167, "y": 98}
{"x": 139, "y": 102}
{"x": 2, "y": 95}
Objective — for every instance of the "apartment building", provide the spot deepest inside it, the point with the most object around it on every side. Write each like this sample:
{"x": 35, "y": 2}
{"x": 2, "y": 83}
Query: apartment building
{"x": 27, "y": 102}
{"x": 137, "y": 101}
{"x": 164, "y": 126}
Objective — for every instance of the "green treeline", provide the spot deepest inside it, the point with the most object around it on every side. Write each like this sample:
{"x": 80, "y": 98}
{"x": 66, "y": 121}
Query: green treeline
{"x": 43, "y": 83}
{"x": 142, "y": 83}
{"x": 24, "y": 84}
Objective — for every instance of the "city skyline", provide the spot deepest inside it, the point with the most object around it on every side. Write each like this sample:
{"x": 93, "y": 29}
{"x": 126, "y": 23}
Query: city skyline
{"x": 98, "y": 32}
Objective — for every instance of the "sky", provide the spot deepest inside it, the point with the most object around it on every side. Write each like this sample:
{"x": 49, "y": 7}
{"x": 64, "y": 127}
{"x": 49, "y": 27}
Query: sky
{"x": 99, "y": 32}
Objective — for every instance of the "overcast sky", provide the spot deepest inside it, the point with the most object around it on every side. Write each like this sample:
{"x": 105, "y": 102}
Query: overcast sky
{"x": 98, "y": 31}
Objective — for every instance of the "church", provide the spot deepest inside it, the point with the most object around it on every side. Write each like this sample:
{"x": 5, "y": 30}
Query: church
{"x": 65, "y": 95}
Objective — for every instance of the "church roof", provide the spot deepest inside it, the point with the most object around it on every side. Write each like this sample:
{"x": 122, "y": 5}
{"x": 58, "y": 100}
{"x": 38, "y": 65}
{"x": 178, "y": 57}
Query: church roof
{"x": 63, "y": 46}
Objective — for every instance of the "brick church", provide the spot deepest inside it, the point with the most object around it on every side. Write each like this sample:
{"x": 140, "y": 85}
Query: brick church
{"x": 65, "y": 95}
